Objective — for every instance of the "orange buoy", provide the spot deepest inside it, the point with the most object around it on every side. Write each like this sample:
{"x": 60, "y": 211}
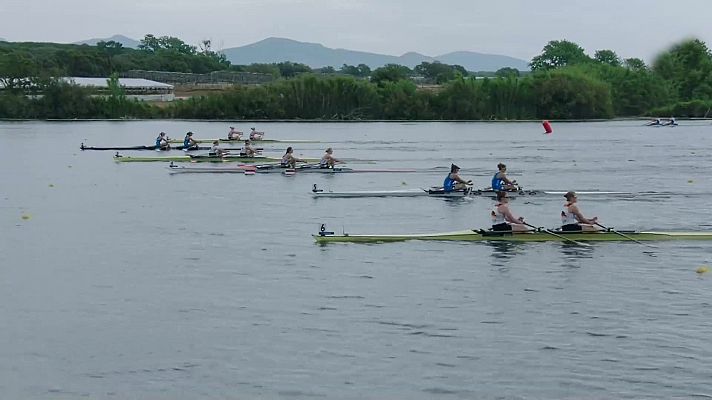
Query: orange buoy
{"x": 547, "y": 127}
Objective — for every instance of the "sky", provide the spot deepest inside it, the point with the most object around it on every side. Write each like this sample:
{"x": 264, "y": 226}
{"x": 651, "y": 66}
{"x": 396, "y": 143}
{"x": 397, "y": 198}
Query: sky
{"x": 517, "y": 28}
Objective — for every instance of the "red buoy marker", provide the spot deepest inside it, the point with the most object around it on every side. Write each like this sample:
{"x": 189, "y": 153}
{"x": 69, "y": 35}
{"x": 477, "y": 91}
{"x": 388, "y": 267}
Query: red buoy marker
{"x": 547, "y": 127}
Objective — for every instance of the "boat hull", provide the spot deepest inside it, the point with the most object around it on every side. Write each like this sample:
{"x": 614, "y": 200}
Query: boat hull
{"x": 275, "y": 169}
{"x": 193, "y": 159}
{"x": 455, "y": 194}
{"x": 137, "y": 148}
{"x": 478, "y": 236}
{"x": 225, "y": 140}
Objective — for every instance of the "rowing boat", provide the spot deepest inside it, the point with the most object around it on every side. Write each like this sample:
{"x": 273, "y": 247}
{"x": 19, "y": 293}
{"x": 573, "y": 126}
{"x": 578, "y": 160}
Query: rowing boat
{"x": 204, "y": 148}
{"x": 277, "y": 168}
{"x": 253, "y": 141}
{"x": 439, "y": 192}
{"x": 472, "y": 235}
{"x": 197, "y": 158}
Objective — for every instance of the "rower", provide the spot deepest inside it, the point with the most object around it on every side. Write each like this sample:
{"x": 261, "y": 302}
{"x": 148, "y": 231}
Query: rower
{"x": 671, "y": 122}
{"x": 247, "y": 150}
{"x": 501, "y": 182}
{"x": 288, "y": 159}
{"x": 453, "y": 181}
{"x": 215, "y": 150}
{"x": 572, "y": 220}
{"x": 189, "y": 143}
{"x": 502, "y": 218}
{"x": 234, "y": 134}
{"x": 254, "y": 135}
{"x": 328, "y": 160}
{"x": 162, "y": 142}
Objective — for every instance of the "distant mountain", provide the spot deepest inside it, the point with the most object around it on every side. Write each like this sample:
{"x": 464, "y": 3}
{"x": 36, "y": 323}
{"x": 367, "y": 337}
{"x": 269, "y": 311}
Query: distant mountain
{"x": 3, "y": 40}
{"x": 483, "y": 62}
{"x": 274, "y": 50}
{"x": 126, "y": 41}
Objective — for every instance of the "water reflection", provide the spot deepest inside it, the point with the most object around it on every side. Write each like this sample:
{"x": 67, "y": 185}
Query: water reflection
{"x": 574, "y": 253}
{"x": 503, "y": 251}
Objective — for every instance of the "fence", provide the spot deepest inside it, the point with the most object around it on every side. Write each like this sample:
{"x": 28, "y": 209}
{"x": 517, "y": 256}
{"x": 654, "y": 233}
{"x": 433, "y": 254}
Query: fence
{"x": 213, "y": 78}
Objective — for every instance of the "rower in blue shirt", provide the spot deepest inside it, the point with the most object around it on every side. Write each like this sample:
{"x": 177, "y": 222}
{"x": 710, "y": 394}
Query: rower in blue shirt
{"x": 162, "y": 142}
{"x": 189, "y": 143}
{"x": 453, "y": 181}
{"x": 500, "y": 182}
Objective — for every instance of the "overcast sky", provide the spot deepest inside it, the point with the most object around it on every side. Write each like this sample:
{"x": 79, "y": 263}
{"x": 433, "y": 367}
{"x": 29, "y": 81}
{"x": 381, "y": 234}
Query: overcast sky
{"x": 518, "y": 28}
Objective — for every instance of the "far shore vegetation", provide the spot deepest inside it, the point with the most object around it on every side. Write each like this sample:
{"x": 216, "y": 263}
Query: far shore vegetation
{"x": 564, "y": 83}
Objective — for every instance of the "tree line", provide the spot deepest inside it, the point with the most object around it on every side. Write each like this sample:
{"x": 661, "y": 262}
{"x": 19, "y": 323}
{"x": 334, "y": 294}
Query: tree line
{"x": 565, "y": 83}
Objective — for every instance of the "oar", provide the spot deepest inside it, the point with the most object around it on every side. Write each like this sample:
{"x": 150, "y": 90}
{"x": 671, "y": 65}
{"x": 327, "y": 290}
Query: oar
{"x": 559, "y": 236}
{"x": 626, "y": 236}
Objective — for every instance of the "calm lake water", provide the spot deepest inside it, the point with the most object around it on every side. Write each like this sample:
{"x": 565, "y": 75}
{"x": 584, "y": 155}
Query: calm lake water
{"x": 121, "y": 281}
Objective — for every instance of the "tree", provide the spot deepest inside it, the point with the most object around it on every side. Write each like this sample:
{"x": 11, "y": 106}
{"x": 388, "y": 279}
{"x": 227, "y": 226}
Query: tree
{"x": 507, "y": 72}
{"x": 557, "y": 54}
{"x": 439, "y": 72}
{"x": 116, "y": 100}
{"x": 568, "y": 94}
{"x": 206, "y": 50}
{"x": 362, "y": 70}
{"x": 153, "y": 44}
{"x": 635, "y": 64}
{"x": 149, "y": 43}
{"x": 688, "y": 66}
{"x": 110, "y": 49}
{"x": 289, "y": 69}
{"x": 390, "y": 73}
{"x": 607, "y": 57}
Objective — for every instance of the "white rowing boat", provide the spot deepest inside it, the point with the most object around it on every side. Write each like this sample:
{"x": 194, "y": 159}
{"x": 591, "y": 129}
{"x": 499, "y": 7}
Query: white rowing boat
{"x": 276, "y": 168}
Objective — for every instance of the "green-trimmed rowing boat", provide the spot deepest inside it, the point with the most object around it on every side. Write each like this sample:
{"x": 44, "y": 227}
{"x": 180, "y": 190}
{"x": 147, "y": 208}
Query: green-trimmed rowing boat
{"x": 479, "y": 235}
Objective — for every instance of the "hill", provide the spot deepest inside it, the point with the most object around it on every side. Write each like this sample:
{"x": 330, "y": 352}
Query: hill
{"x": 126, "y": 41}
{"x": 274, "y": 50}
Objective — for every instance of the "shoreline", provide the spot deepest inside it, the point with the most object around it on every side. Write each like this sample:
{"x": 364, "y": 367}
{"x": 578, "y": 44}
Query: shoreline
{"x": 346, "y": 121}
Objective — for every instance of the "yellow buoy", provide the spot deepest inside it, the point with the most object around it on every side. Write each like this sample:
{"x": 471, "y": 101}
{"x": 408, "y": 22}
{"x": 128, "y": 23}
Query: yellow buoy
{"x": 26, "y": 216}
{"x": 690, "y": 181}
{"x": 51, "y": 185}
{"x": 403, "y": 183}
{"x": 703, "y": 269}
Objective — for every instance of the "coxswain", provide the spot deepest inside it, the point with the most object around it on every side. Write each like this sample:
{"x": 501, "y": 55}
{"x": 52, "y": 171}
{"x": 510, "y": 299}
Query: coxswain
{"x": 189, "y": 143}
{"x": 234, "y": 134}
{"x": 162, "y": 142}
{"x": 215, "y": 150}
{"x": 453, "y": 181}
{"x": 500, "y": 181}
{"x": 254, "y": 135}
{"x": 502, "y": 218}
{"x": 247, "y": 150}
{"x": 572, "y": 220}
{"x": 288, "y": 159}
{"x": 328, "y": 160}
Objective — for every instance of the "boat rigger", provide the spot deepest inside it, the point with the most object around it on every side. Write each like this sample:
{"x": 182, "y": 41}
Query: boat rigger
{"x": 479, "y": 235}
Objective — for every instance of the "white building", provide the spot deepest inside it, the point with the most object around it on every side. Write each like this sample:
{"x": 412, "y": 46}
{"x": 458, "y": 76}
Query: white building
{"x": 141, "y": 89}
